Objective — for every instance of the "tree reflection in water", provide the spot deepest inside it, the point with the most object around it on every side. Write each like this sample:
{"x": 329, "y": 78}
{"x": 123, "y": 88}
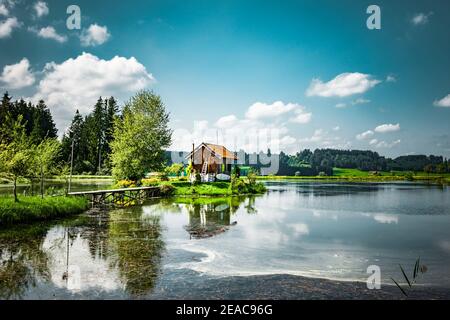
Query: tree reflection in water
{"x": 135, "y": 249}
{"x": 22, "y": 261}
{"x": 211, "y": 216}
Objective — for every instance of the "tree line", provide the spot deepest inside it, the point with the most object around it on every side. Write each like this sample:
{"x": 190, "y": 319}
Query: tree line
{"x": 126, "y": 144}
{"x": 309, "y": 162}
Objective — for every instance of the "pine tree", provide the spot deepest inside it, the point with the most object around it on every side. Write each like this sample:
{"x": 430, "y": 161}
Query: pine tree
{"x": 74, "y": 134}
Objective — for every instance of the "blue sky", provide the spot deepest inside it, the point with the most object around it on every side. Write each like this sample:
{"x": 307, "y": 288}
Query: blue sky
{"x": 294, "y": 74}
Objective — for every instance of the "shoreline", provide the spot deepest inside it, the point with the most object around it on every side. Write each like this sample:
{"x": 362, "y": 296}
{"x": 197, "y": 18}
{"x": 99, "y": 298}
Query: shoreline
{"x": 291, "y": 287}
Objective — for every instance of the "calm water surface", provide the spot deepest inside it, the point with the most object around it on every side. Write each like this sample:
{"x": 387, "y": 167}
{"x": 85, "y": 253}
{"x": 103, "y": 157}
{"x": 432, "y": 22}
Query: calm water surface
{"x": 170, "y": 246}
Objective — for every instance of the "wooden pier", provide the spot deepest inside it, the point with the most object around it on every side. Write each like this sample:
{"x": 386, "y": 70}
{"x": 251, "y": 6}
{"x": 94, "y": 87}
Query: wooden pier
{"x": 120, "y": 197}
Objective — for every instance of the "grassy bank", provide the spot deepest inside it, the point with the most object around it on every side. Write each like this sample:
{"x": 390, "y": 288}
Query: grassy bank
{"x": 184, "y": 188}
{"x": 366, "y": 176}
{"x": 31, "y": 209}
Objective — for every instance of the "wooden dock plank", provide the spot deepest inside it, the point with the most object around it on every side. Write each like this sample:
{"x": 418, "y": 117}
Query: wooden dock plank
{"x": 96, "y": 192}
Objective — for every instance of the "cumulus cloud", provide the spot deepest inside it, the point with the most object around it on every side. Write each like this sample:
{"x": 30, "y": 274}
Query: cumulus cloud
{"x": 78, "y": 82}
{"x": 301, "y": 116}
{"x": 365, "y": 135}
{"x": 7, "y": 27}
{"x": 94, "y": 35}
{"x": 4, "y": 11}
{"x": 343, "y": 85}
{"x": 261, "y": 110}
{"x": 388, "y": 128}
{"x": 17, "y": 75}
{"x": 41, "y": 9}
{"x": 444, "y": 102}
{"x": 50, "y": 33}
{"x": 236, "y": 134}
{"x": 421, "y": 18}
{"x": 255, "y": 132}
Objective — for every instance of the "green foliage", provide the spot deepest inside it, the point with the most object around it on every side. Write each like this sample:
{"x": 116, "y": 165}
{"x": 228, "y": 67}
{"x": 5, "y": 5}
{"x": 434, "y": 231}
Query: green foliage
{"x": 16, "y": 152}
{"x": 121, "y": 184}
{"x": 189, "y": 169}
{"x": 140, "y": 137}
{"x": 31, "y": 209}
{"x": 175, "y": 169}
{"x": 409, "y": 176}
{"x": 166, "y": 190}
{"x": 246, "y": 186}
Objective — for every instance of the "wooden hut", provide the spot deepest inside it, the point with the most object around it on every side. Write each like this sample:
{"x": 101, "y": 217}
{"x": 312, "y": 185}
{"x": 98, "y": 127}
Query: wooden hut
{"x": 211, "y": 159}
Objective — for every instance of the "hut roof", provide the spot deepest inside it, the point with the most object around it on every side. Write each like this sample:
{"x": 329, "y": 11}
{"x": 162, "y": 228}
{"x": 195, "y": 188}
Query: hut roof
{"x": 217, "y": 150}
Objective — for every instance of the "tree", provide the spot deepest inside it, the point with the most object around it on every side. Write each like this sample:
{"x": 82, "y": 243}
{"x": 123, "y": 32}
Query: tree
{"x": 140, "y": 137}
{"x": 43, "y": 125}
{"x": 73, "y": 135}
{"x": 15, "y": 154}
{"x": 176, "y": 169}
{"x": 44, "y": 159}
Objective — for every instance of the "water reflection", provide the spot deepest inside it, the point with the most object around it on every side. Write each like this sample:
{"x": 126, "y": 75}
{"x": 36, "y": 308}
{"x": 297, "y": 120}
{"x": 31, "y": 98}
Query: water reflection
{"x": 211, "y": 216}
{"x": 22, "y": 261}
{"x": 173, "y": 247}
{"x": 117, "y": 252}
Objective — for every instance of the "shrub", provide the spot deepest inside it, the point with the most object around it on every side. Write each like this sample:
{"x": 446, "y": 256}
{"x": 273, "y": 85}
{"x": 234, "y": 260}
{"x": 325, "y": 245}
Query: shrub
{"x": 125, "y": 184}
{"x": 166, "y": 190}
{"x": 409, "y": 176}
{"x": 149, "y": 182}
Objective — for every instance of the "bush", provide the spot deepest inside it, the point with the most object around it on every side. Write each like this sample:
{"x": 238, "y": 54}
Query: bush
{"x": 198, "y": 179}
{"x": 166, "y": 190}
{"x": 148, "y": 182}
{"x": 125, "y": 184}
{"x": 409, "y": 176}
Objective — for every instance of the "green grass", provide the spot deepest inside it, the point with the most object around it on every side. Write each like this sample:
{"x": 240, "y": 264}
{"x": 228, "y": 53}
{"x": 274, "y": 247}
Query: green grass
{"x": 242, "y": 186}
{"x": 83, "y": 177}
{"x": 30, "y": 209}
{"x": 359, "y": 175}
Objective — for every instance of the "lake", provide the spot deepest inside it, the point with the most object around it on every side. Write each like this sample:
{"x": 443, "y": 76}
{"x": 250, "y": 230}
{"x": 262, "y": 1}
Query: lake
{"x": 277, "y": 245}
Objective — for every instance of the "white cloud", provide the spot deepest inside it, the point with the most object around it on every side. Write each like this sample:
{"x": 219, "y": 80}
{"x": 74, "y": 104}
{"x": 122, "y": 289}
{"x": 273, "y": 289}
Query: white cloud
{"x": 7, "y": 27}
{"x": 301, "y": 116}
{"x": 373, "y": 141}
{"x": 384, "y": 144}
{"x": 4, "y": 11}
{"x": 421, "y": 18}
{"x": 226, "y": 121}
{"x": 18, "y": 75}
{"x": 343, "y": 85}
{"x": 78, "y": 82}
{"x": 337, "y": 128}
{"x": 261, "y": 110}
{"x": 388, "y": 128}
{"x": 94, "y": 35}
{"x": 341, "y": 105}
{"x": 41, "y": 9}
{"x": 391, "y": 78}
{"x": 444, "y": 102}
{"x": 365, "y": 135}
{"x": 50, "y": 33}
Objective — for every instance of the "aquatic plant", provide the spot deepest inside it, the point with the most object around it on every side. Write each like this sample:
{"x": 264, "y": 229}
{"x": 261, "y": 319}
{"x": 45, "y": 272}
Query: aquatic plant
{"x": 418, "y": 269}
